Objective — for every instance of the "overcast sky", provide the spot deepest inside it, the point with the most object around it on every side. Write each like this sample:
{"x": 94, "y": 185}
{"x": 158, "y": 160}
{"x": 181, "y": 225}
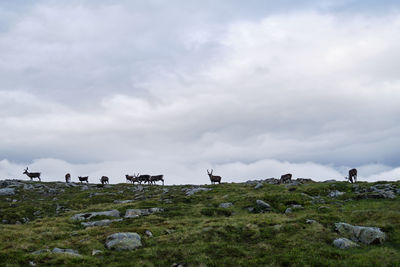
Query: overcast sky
{"x": 252, "y": 89}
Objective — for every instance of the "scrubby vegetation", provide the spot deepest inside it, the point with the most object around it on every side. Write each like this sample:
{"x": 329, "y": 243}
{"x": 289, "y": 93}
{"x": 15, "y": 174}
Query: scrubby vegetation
{"x": 193, "y": 229}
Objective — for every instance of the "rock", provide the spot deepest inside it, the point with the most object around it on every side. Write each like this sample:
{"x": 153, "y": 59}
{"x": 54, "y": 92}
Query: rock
{"x": 318, "y": 200}
{"x": 7, "y": 191}
{"x": 363, "y": 234}
{"x": 123, "y": 201}
{"x": 250, "y": 209}
{"x": 309, "y": 221}
{"x": 148, "y": 233}
{"x": 259, "y": 185}
{"x": 100, "y": 223}
{"x": 37, "y": 252}
{"x": 177, "y": 265}
{"x": 123, "y": 241}
{"x": 88, "y": 215}
{"x": 192, "y": 191}
{"x": 96, "y": 252}
{"x": 66, "y": 251}
{"x": 225, "y": 205}
{"x": 134, "y": 213}
{"x": 293, "y": 207}
{"x": 31, "y": 263}
{"x": 4, "y": 221}
{"x": 398, "y": 191}
{"x": 288, "y": 210}
{"x": 344, "y": 243}
{"x": 335, "y": 193}
{"x": 263, "y": 206}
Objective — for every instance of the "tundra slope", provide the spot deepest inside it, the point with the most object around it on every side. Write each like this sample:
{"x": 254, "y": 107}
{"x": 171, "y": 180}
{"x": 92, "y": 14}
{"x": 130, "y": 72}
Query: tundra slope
{"x": 192, "y": 228}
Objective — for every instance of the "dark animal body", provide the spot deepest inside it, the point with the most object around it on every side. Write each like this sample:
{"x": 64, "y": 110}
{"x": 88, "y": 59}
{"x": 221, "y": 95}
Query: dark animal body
{"x": 353, "y": 174}
{"x": 67, "y": 178}
{"x": 286, "y": 178}
{"x": 145, "y": 178}
{"x": 104, "y": 180}
{"x": 83, "y": 178}
{"x": 131, "y": 178}
{"x": 156, "y": 178}
{"x": 32, "y": 174}
{"x": 214, "y": 178}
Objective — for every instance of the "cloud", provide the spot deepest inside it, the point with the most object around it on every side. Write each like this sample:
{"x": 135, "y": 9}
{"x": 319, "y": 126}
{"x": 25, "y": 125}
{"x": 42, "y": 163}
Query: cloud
{"x": 116, "y": 88}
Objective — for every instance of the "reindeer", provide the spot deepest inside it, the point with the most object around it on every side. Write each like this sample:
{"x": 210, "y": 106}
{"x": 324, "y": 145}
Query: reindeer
{"x": 286, "y": 178}
{"x": 83, "y": 178}
{"x": 145, "y": 178}
{"x": 130, "y": 178}
{"x": 214, "y": 179}
{"x": 104, "y": 180}
{"x": 155, "y": 178}
{"x": 352, "y": 174}
{"x": 32, "y": 174}
{"x": 67, "y": 178}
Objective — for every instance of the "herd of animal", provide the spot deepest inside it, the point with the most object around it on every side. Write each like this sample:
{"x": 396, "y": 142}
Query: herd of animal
{"x": 152, "y": 179}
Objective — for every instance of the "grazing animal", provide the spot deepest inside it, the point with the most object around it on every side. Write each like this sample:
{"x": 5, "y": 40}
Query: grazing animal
{"x": 155, "y": 178}
{"x": 145, "y": 178}
{"x": 83, "y": 178}
{"x": 67, "y": 178}
{"x": 213, "y": 178}
{"x": 32, "y": 174}
{"x": 352, "y": 174}
{"x": 130, "y": 178}
{"x": 286, "y": 178}
{"x": 104, "y": 180}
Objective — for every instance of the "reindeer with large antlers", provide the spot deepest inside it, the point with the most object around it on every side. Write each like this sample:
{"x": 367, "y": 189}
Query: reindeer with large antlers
{"x": 214, "y": 179}
{"x": 32, "y": 174}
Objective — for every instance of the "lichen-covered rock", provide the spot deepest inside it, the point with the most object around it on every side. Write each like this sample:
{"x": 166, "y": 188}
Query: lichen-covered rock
{"x": 134, "y": 213}
{"x": 335, "y": 193}
{"x": 192, "y": 191}
{"x": 225, "y": 205}
{"x": 7, "y": 191}
{"x": 344, "y": 243}
{"x": 123, "y": 241}
{"x": 66, "y": 251}
{"x": 89, "y": 215}
{"x": 100, "y": 223}
{"x": 259, "y": 185}
{"x": 363, "y": 234}
{"x": 263, "y": 205}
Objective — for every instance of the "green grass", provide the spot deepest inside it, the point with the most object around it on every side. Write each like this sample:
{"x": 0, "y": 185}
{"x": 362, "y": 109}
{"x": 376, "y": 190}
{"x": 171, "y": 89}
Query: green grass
{"x": 194, "y": 231}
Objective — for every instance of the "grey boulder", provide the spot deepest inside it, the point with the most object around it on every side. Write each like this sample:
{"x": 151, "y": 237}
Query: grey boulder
{"x": 363, "y": 234}
{"x": 123, "y": 241}
{"x": 7, "y": 191}
{"x": 100, "y": 223}
{"x": 344, "y": 243}
{"x": 134, "y": 213}
{"x": 89, "y": 215}
{"x": 225, "y": 205}
{"x": 263, "y": 205}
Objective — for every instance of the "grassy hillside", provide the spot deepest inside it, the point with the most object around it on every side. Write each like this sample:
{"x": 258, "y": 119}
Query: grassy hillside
{"x": 193, "y": 230}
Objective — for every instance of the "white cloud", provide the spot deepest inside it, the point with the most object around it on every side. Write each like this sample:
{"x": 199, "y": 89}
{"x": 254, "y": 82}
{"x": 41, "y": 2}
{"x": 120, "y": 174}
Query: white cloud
{"x": 303, "y": 92}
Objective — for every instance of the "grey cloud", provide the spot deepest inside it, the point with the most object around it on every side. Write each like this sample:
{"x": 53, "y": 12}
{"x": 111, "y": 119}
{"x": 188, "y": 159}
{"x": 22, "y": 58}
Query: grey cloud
{"x": 115, "y": 88}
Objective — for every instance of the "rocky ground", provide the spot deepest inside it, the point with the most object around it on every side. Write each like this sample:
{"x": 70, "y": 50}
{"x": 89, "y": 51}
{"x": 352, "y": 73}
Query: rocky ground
{"x": 256, "y": 223}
